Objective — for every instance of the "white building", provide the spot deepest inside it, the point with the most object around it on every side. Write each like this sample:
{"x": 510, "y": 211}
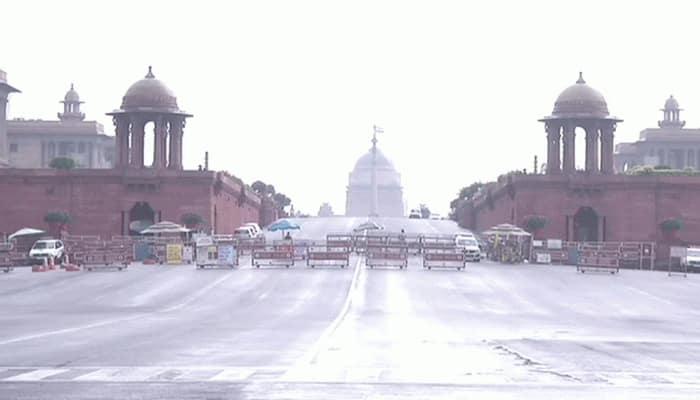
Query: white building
{"x": 389, "y": 191}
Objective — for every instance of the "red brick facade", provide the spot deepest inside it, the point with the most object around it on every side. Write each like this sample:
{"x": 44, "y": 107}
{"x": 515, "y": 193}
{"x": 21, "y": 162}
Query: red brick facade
{"x": 101, "y": 200}
{"x": 628, "y": 208}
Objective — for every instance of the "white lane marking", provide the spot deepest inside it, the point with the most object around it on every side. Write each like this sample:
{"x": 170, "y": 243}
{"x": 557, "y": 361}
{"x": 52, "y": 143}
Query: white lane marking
{"x": 196, "y": 295}
{"x": 37, "y": 375}
{"x": 71, "y": 330}
{"x": 104, "y": 374}
{"x": 311, "y": 355}
{"x": 233, "y": 374}
{"x": 99, "y": 324}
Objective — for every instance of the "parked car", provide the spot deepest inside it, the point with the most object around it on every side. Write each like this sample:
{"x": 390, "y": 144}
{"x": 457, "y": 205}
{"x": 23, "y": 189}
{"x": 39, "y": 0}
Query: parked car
{"x": 47, "y": 248}
{"x": 692, "y": 259}
{"x": 415, "y": 214}
{"x": 469, "y": 246}
{"x": 256, "y": 228}
{"x": 244, "y": 232}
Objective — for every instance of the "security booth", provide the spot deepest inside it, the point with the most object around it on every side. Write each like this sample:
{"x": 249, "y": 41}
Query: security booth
{"x": 508, "y": 243}
{"x": 216, "y": 251}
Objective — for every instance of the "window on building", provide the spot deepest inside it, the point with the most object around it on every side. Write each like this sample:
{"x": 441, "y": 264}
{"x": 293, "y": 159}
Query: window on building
{"x": 14, "y": 147}
{"x": 63, "y": 149}
{"x": 81, "y": 147}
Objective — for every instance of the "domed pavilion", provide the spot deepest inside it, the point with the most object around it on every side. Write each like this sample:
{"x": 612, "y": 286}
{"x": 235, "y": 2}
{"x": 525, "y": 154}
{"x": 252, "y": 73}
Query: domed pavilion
{"x": 149, "y": 100}
{"x": 579, "y": 105}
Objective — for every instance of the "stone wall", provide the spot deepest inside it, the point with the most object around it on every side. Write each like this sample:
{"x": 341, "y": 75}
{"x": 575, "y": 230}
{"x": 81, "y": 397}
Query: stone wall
{"x": 100, "y": 200}
{"x": 632, "y": 206}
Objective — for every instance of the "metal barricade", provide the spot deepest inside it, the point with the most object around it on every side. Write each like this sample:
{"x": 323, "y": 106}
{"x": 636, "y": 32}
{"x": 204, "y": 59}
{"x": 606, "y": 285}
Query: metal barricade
{"x": 335, "y": 253}
{"x": 383, "y": 254}
{"x": 444, "y": 258}
{"x": 248, "y": 246}
{"x": 599, "y": 257}
{"x": 270, "y": 256}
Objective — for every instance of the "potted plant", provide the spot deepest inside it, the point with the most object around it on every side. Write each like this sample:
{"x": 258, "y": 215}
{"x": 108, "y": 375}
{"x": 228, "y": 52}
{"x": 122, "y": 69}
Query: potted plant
{"x": 670, "y": 228}
{"x": 57, "y": 221}
{"x": 191, "y": 220}
{"x": 534, "y": 224}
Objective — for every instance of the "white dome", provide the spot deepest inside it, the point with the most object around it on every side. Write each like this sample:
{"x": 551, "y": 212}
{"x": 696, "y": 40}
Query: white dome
{"x": 386, "y": 173}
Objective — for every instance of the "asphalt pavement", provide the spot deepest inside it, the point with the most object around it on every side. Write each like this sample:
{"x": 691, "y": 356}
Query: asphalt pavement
{"x": 491, "y": 331}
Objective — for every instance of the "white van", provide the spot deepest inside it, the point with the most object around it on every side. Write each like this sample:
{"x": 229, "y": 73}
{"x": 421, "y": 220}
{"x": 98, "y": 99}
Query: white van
{"x": 244, "y": 232}
{"x": 47, "y": 248}
{"x": 256, "y": 228}
{"x": 692, "y": 258}
{"x": 470, "y": 246}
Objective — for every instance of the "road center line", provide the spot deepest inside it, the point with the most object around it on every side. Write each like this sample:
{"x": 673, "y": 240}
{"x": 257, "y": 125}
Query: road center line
{"x": 312, "y": 354}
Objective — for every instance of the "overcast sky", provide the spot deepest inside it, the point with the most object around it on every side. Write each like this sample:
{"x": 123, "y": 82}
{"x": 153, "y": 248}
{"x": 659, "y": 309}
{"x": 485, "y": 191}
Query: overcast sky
{"x": 288, "y": 91}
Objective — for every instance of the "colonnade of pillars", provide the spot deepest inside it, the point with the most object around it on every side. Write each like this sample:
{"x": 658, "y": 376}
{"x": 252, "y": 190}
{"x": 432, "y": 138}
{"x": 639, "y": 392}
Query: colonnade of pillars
{"x": 130, "y": 135}
{"x": 561, "y": 138}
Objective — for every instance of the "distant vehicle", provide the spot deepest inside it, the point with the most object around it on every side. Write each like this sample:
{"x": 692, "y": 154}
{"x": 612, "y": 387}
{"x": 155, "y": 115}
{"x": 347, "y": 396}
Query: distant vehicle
{"x": 244, "y": 232}
{"x": 415, "y": 214}
{"x": 469, "y": 246}
{"x": 435, "y": 216}
{"x": 692, "y": 258}
{"x": 48, "y": 248}
{"x": 256, "y": 228}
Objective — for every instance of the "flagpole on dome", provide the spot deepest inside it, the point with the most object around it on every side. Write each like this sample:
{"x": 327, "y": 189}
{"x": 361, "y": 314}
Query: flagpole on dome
{"x": 375, "y": 197}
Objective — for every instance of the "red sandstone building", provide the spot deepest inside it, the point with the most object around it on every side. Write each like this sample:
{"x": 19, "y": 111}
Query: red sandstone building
{"x": 593, "y": 204}
{"x": 126, "y": 198}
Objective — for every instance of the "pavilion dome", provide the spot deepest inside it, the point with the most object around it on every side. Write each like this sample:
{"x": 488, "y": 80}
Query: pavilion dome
{"x": 671, "y": 104}
{"x": 580, "y": 100}
{"x": 71, "y": 95}
{"x": 149, "y": 94}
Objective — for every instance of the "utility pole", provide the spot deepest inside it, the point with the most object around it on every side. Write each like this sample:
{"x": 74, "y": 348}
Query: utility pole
{"x": 375, "y": 198}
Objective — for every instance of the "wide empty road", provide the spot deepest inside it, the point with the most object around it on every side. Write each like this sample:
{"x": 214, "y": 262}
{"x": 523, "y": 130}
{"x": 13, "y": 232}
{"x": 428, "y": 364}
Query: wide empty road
{"x": 492, "y": 331}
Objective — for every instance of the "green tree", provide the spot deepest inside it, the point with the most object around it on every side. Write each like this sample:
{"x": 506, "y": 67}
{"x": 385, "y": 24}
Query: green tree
{"x": 191, "y": 220}
{"x": 259, "y": 187}
{"x": 62, "y": 163}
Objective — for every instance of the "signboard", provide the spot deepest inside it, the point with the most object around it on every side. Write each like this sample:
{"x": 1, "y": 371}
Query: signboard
{"x": 537, "y": 243}
{"x": 187, "y": 254}
{"x": 544, "y": 258}
{"x": 204, "y": 241}
{"x": 678, "y": 252}
{"x": 226, "y": 254}
{"x": 173, "y": 253}
{"x": 554, "y": 244}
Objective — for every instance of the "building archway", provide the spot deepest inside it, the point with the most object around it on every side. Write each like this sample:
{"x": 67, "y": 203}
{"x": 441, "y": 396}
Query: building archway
{"x": 586, "y": 225}
{"x": 141, "y": 216}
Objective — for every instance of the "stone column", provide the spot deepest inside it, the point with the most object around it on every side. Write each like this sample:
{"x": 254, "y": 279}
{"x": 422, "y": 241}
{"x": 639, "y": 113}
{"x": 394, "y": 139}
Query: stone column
{"x": 137, "y": 134}
{"x": 592, "y": 164}
{"x": 569, "y": 148}
{"x": 121, "y": 148}
{"x": 176, "y": 131}
{"x": 607, "y": 140}
{"x": 553, "y": 144}
{"x": 160, "y": 138}
{"x": 4, "y": 154}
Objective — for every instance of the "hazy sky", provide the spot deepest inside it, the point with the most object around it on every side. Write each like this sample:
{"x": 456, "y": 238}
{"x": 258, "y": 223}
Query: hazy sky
{"x": 288, "y": 91}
